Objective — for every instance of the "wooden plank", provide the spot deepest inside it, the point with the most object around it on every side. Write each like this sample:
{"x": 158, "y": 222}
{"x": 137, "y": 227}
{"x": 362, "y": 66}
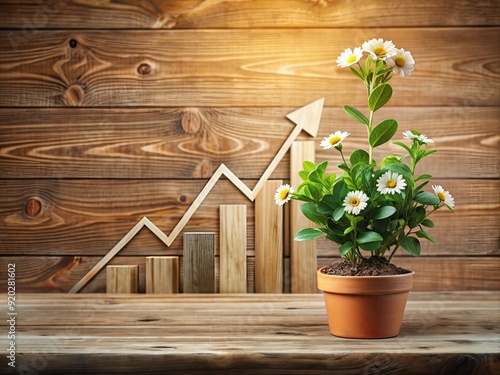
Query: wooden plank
{"x": 57, "y": 274}
{"x": 144, "y": 143}
{"x": 268, "y": 241}
{"x": 441, "y": 333}
{"x": 119, "y": 143}
{"x": 233, "y": 248}
{"x": 162, "y": 275}
{"x": 242, "y": 68}
{"x": 122, "y": 279}
{"x": 30, "y": 16}
{"x": 303, "y": 254}
{"x": 96, "y": 214}
{"x": 199, "y": 274}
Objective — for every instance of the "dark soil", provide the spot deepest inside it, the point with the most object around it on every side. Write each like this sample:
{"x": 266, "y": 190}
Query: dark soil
{"x": 373, "y": 266}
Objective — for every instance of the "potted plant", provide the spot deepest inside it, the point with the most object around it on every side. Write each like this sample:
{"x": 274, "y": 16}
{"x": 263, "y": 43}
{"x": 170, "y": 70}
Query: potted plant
{"x": 371, "y": 209}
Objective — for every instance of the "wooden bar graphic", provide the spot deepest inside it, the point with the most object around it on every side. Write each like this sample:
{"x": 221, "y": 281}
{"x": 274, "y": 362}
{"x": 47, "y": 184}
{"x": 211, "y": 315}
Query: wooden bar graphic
{"x": 233, "y": 249}
{"x": 199, "y": 266}
{"x": 303, "y": 254}
{"x": 122, "y": 279}
{"x": 268, "y": 241}
{"x": 162, "y": 274}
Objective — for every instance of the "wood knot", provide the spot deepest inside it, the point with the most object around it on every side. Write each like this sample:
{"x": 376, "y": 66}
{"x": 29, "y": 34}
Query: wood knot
{"x": 203, "y": 169}
{"x": 74, "y": 95}
{"x": 184, "y": 199}
{"x": 73, "y": 43}
{"x": 144, "y": 69}
{"x": 33, "y": 207}
{"x": 191, "y": 122}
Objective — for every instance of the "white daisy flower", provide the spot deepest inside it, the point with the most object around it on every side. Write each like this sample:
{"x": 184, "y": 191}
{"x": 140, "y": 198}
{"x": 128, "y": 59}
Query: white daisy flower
{"x": 333, "y": 140}
{"x": 422, "y": 138}
{"x": 355, "y": 202}
{"x": 349, "y": 57}
{"x": 283, "y": 194}
{"x": 379, "y": 49}
{"x": 390, "y": 183}
{"x": 402, "y": 62}
{"x": 408, "y": 134}
{"x": 444, "y": 196}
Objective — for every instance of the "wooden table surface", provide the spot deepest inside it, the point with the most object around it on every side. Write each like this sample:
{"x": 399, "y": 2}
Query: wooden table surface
{"x": 442, "y": 333}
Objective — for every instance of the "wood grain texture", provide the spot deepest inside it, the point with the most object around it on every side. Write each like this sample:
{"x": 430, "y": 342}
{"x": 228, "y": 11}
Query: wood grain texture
{"x": 162, "y": 275}
{"x": 198, "y": 14}
{"x": 122, "y": 279}
{"x": 152, "y": 143}
{"x": 279, "y": 334}
{"x": 268, "y": 241}
{"x": 303, "y": 254}
{"x": 58, "y": 274}
{"x": 199, "y": 272}
{"x": 111, "y": 111}
{"x": 233, "y": 248}
{"x": 96, "y": 214}
{"x": 144, "y": 143}
{"x": 277, "y": 68}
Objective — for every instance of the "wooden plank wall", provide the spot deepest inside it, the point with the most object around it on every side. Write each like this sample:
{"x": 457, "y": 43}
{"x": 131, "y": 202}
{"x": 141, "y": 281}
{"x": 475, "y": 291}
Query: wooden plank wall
{"x": 111, "y": 111}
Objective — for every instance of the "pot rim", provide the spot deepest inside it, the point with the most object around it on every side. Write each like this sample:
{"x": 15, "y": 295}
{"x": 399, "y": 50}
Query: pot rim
{"x": 364, "y": 277}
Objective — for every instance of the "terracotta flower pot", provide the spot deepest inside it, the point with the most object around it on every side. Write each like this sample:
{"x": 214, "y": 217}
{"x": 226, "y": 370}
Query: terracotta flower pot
{"x": 365, "y": 306}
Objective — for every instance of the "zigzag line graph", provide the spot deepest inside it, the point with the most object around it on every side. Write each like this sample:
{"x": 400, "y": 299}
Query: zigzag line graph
{"x": 306, "y": 118}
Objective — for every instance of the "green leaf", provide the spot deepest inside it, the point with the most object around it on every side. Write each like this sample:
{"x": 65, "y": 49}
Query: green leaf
{"x": 412, "y": 245}
{"x": 324, "y": 209}
{"x": 308, "y": 234}
{"x": 304, "y": 175}
{"x": 379, "y": 97}
{"x": 384, "y": 212}
{"x": 400, "y": 168}
{"x": 359, "y": 156}
{"x": 348, "y": 230}
{"x": 338, "y": 213}
{"x": 389, "y": 159}
{"x": 356, "y": 115}
{"x": 330, "y": 201}
{"x": 427, "y": 223}
{"x": 308, "y": 166}
{"x": 309, "y": 211}
{"x": 370, "y": 245}
{"x": 422, "y": 177}
{"x": 369, "y": 236}
{"x": 340, "y": 190}
{"x": 318, "y": 173}
{"x": 356, "y": 73}
{"x": 427, "y": 198}
{"x": 403, "y": 145}
{"x": 424, "y": 234}
{"x": 345, "y": 248}
{"x": 383, "y": 132}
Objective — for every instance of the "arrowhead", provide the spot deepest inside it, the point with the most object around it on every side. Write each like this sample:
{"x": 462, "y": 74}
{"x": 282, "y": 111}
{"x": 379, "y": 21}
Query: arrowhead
{"x": 308, "y": 117}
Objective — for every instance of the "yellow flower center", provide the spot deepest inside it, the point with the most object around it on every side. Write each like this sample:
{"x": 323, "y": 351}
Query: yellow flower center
{"x": 284, "y": 194}
{"x": 351, "y": 59}
{"x": 391, "y": 184}
{"x": 400, "y": 61}
{"x": 380, "y": 51}
{"x": 354, "y": 202}
{"x": 441, "y": 196}
{"x": 335, "y": 139}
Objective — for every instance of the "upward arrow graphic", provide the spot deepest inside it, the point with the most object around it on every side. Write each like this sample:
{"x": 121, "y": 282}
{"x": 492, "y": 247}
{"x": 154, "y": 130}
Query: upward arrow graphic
{"x": 306, "y": 118}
